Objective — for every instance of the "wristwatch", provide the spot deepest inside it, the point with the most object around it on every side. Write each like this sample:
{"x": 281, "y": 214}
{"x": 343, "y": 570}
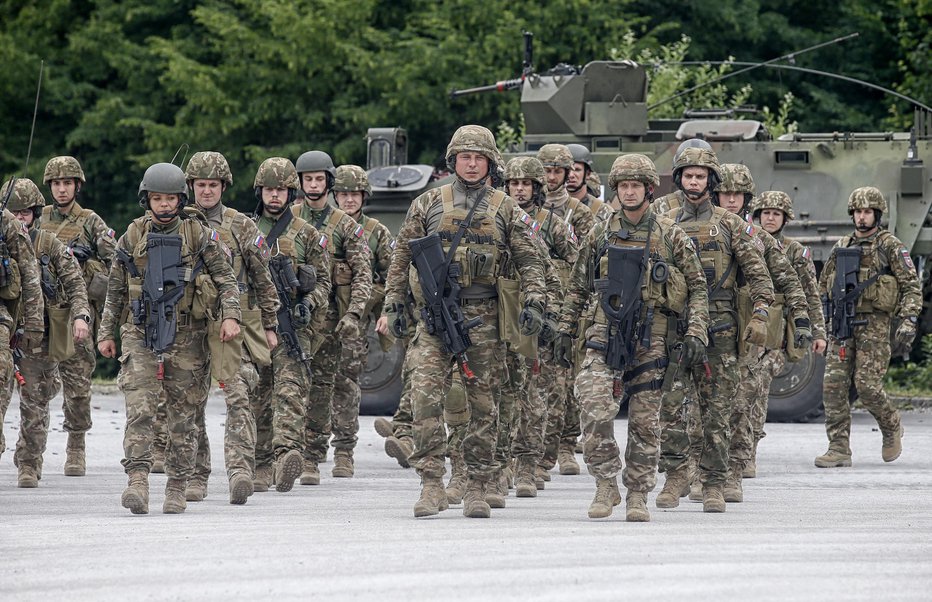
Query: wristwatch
{"x": 85, "y": 317}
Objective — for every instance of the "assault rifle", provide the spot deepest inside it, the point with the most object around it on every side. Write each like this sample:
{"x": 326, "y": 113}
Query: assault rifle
{"x": 840, "y": 310}
{"x": 286, "y": 281}
{"x": 442, "y": 315}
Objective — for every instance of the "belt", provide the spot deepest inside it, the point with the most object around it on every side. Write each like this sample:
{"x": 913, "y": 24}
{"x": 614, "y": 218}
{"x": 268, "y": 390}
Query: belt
{"x": 478, "y": 301}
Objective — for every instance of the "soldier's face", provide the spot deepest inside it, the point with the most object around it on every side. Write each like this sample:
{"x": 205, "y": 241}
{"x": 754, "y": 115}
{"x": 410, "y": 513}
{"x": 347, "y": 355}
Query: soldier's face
{"x": 314, "y": 183}
{"x": 207, "y": 193}
{"x": 164, "y": 206}
{"x": 63, "y": 189}
{"x": 864, "y": 219}
{"x": 274, "y": 199}
{"x": 731, "y": 201}
{"x": 350, "y": 202}
{"x": 631, "y": 193}
{"x": 472, "y": 167}
{"x": 577, "y": 177}
{"x": 555, "y": 177}
{"x": 521, "y": 190}
{"x": 695, "y": 180}
{"x": 25, "y": 215}
{"x": 771, "y": 220}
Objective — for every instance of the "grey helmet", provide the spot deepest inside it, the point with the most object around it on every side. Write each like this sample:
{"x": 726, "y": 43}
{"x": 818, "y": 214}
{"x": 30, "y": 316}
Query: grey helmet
{"x": 581, "y": 154}
{"x": 316, "y": 160}
{"x": 166, "y": 178}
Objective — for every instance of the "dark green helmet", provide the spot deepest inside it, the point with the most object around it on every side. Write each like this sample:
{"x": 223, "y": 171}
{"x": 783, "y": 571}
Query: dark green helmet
{"x": 166, "y": 178}
{"x": 316, "y": 160}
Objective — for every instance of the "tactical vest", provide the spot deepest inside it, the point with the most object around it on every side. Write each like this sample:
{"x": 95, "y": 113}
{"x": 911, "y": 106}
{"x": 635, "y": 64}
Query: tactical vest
{"x": 42, "y": 242}
{"x": 71, "y": 227}
{"x": 564, "y": 268}
{"x": 285, "y": 243}
{"x": 716, "y": 256}
{"x": 776, "y": 313}
{"x": 232, "y": 223}
{"x": 371, "y": 240}
{"x": 595, "y": 205}
{"x": 881, "y": 296}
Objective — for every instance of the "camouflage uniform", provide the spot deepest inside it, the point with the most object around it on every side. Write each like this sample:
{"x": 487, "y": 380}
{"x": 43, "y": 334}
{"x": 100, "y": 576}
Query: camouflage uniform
{"x": 726, "y": 244}
{"x": 24, "y": 301}
{"x": 859, "y": 364}
{"x": 280, "y": 405}
{"x": 184, "y": 363}
{"x": 684, "y": 290}
{"x": 258, "y": 305}
{"x": 65, "y": 296}
{"x": 496, "y": 218}
{"x": 93, "y": 243}
{"x": 351, "y": 277}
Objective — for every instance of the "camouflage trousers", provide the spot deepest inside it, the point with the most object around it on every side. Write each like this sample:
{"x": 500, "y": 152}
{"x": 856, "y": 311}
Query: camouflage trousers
{"x": 530, "y": 408}
{"x": 455, "y": 414}
{"x": 553, "y": 382}
{"x": 681, "y": 429}
{"x": 715, "y": 399}
{"x": 750, "y": 383}
{"x": 599, "y": 409}
{"x": 6, "y": 381}
{"x": 76, "y": 372}
{"x": 508, "y": 394}
{"x": 771, "y": 366}
{"x": 867, "y": 356}
{"x": 344, "y": 407}
{"x": 432, "y": 365}
{"x": 280, "y": 403}
{"x": 182, "y": 386}
{"x": 318, "y": 399}
{"x": 403, "y": 420}
{"x": 42, "y": 384}
{"x": 239, "y": 434}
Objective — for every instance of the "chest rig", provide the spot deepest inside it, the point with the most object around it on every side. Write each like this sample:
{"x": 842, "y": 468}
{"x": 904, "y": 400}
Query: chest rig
{"x": 718, "y": 261}
{"x": 52, "y": 289}
{"x": 371, "y": 239}
{"x": 479, "y": 253}
{"x": 70, "y": 228}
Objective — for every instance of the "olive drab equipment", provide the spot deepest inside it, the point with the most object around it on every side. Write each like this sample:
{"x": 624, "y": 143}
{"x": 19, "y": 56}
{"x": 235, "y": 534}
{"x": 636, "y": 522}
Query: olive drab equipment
{"x": 57, "y": 304}
{"x": 70, "y": 229}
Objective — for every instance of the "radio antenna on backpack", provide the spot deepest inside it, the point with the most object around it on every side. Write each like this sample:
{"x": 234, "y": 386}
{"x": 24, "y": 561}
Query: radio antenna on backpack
{"x": 35, "y": 112}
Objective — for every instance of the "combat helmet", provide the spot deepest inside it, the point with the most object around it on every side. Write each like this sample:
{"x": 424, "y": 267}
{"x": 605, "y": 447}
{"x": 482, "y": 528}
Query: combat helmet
{"x": 691, "y": 143}
{"x": 867, "y": 197}
{"x": 737, "y": 178}
{"x": 773, "y": 199}
{"x": 209, "y": 165}
{"x": 556, "y": 155}
{"x": 166, "y": 178}
{"x": 633, "y": 166}
{"x": 62, "y": 167}
{"x": 26, "y": 195}
{"x": 525, "y": 168}
{"x": 475, "y": 139}
{"x": 582, "y": 155}
{"x": 352, "y": 178}
{"x": 698, "y": 157}
{"x": 594, "y": 183}
{"x": 316, "y": 160}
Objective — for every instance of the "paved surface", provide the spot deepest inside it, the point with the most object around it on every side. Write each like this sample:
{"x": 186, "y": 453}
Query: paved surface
{"x": 863, "y": 533}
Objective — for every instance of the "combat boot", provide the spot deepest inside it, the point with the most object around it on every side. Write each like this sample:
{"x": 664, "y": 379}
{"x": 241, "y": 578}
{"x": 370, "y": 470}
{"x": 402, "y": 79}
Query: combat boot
{"x": 343, "y": 464}
{"x": 383, "y": 427}
{"x": 263, "y": 479}
{"x": 734, "y": 491}
{"x": 606, "y": 498}
{"x": 524, "y": 480}
{"x": 456, "y": 487}
{"x": 542, "y": 474}
{"x": 636, "y": 507}
{"x": 509, "y": 473}
{"x": 158, "y": 460}
{"x": 750, "y": 469}
{"x": 28, "y": 476}
{"x": 568, "y": 464}
{"x": 695, "y": 490}
{"x": 496, "y": 491}
{"x": 474, "y": 504}
{"x": 400, "y": 449}
{"x": 892, "y": 444}
{"x": 311, "y": 474}
{"x": 833, "y": 459}
{"x": 433, "y": 498}
{"x": 713, "y": 498}
{"x": 288, "y": 468}
{"x": 196, "y": 490}
{"x": 240, "y": 488}
{"x": 675, "y": 487}
{"x": 174, "y": 497}
{"x": 136, "y": 495}
{"x": 75, "y": 463}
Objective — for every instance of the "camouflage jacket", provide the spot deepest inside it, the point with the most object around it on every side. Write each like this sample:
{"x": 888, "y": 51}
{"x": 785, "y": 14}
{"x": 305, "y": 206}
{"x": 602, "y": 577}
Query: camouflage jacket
{"x": 784, "y": 278}
{"x": 30, "y": 302}
{"x": 601, "y": 211}
{"x": 573, "y": 213}
{"x": 667, "y": 242}
{"x": 81, "y": 226}
{"x": 65, "y": 281}
{"x": 206, "y": 247}
{"x": 667, "y": 202}
{"x": 801, "y": 259}
{"x": 351, "y": 262}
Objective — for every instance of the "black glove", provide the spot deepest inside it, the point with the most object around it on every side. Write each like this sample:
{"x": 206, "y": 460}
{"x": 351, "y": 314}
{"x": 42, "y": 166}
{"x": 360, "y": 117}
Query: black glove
{"x": 693, "y": 351}
{"x": 396, "y": 318}
{"x": 802, "y": 336}
{"x": 301, "y": 314}
{"x": 563, "y": 349}
{"x": 530, "y": 321}
{"x": 549, "y": 332}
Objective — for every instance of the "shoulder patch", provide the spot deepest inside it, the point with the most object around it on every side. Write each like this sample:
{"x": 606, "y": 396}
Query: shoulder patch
{"x": 214, "y": 235}
{"x": 904, "y": 253}
{"x": 260, "y": 240}
{"x": 759, "y": 244}
{"x": 322, "y": 243}
{"x": 750, "y": 231}
{"x": 572, "y": 231}
{"x": 391, "y": 245}
{"x": 110, "y": 232}
{"x": 806, "y": 252}
{"x": 358, "y": 231}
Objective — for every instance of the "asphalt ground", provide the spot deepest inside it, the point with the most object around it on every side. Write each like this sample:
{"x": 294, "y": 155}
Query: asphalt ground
{"x": 860, "y": 533}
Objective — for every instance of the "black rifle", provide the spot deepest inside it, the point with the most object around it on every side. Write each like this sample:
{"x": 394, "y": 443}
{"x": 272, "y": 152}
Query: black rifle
{"x": 439, "y": 280}
{"x": 840, "y": 310}
{"x": 286, "y": 284}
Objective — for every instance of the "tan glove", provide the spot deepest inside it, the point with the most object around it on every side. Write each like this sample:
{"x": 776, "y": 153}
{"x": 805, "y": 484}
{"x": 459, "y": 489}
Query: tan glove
{"x": 756, "y": 331}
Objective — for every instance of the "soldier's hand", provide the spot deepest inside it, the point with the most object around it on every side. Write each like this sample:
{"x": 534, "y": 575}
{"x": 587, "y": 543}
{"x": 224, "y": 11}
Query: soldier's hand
{"x": 394, "y": 315}
{"x": 81, "y": 330}
{"x": 107, "y": 348}
{"x": 229, "y": 329}
{"x": 693, "y": 350}
{"x": 301, "y": 314}
{"x": 904, "y": 337}
{"x": 271, "y": 337}
{"x": 802, "y": 335}
{"x": 755, "y": 332}
{"x": 31, "y": 339}
{"x": 530, "y": 321}
{"x": 549, "y": 330}
{"x": 819, "y": 346}
{"x": 348, "y": 326}
{"x": 563, "y": 349}
{"x": 381, "y": 325}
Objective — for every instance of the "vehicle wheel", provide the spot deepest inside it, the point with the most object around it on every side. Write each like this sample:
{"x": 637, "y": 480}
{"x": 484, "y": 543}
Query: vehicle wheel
{"x": 380, "y": 381}
{"x": 796, "y": 393}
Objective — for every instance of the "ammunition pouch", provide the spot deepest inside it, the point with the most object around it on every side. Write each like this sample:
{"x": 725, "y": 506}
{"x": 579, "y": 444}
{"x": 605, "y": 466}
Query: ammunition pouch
{"x": 307, "y": 279}
{"x": 13, "y": 287}
{"x": 60, "y": 333}
{"x": 342, "y": 273}
{"x": 206, "y": 302}
{"x": 881, "y": 296}
{"x": 96, "y": 277}
{"x": 776, "y": 321}
{"x": 793, "y": 353}
{"x": 510, "y": 304}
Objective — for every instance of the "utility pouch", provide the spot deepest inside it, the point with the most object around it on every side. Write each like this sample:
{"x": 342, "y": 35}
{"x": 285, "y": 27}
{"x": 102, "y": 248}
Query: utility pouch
{"x": 61, "y": 333}
{"x": 225, "y": 357}
{"x": 307, "y": 279}
{"x": 509, "y": 308}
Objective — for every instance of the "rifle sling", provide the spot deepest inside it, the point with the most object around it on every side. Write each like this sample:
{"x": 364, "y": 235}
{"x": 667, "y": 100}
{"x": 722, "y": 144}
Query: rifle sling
{"x": 278, "y": 228}
{"x": 854, "y": 293}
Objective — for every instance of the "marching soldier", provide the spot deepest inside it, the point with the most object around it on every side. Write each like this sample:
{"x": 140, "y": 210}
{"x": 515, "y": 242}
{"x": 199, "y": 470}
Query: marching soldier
{"x": 578, "y": 183}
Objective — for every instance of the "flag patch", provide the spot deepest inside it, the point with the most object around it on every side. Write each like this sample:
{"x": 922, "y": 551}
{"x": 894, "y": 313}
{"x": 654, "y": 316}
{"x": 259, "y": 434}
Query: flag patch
{"x": 391, "y": 245}
{"x": 806, "y": 252}
{"x": 749, "y": 230}
{"x": 358, "y": 231}
{"x": 323, "y": 241}
{"x": 260, "y": 240}
{"x": 214, "y": 235}
{"x": 111, "y": 233}
{"x": 526, "y": 219}
{"x": 535, "y": 226}
{"x": 907, "y": 259}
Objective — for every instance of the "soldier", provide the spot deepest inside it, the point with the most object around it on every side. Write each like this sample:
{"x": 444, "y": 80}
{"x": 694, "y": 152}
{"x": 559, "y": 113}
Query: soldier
{"x": 563, "y": 407}
{"x": 677, "y": 198}
{"x": 351, "y": 279}
{"x": 667, "y": 281}
{"x": 150, "y": 299}
{"x": 65, "y": 296}
{"x": 399, "y": 431}
{"x": 351, "y": 190}
{"x": 92, "y": 243}
{"x": 300, "y": 269}
{"x": 734, "y": 194}
{"x": 886, "y": 286}
{"x": 578, "y": 183}
{"x": 774, "y": 209}
{"x": 726, "y": 244}
{"x": 488, "y": 224}
{"x": 208, "y": 175}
